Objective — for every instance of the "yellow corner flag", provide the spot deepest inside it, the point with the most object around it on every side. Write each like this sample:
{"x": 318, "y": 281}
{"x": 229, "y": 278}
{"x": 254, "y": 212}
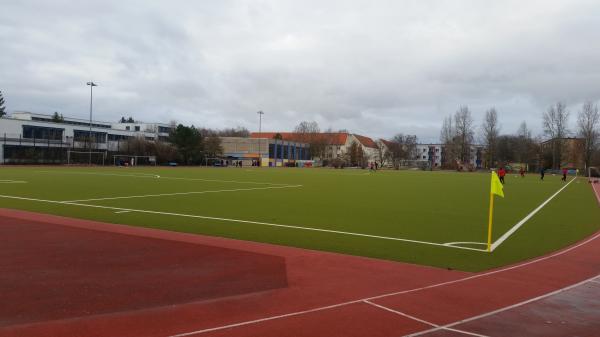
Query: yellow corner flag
{"x": 498, "y": 189}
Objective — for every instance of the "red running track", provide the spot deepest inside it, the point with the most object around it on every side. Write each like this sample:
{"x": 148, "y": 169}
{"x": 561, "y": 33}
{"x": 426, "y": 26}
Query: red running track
{"x": 313, "y": 294}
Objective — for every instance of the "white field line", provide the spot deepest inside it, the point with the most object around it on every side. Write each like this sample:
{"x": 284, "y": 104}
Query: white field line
{"x": 333, "y": 306}
{"x": 155, "y": 176}
{"x": 119, "y": 212}
{"x": 185, "y": 193}
{"x": 12, "y": 181}
{"x": 506, "y": 235}
{"x": 444, "y": 327}
{"x": 464, "y": 243}
{"x": 242, "y": 221}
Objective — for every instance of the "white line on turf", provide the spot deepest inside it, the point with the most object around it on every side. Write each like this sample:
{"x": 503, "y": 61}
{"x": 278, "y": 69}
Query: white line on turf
{"x": 155, "y": 176}
{"x": 12, "y": 181}
{"x": 333, "y": 306}
{"x": 464, "y": 243}
{"x": 516, "y": 305}
{"x": 420, "y": 320}
{"x": 242, "y": 221}
{"x": 527, "y": 217}
{"x": 118, "y": 212}
{"x": 185, "y": 193}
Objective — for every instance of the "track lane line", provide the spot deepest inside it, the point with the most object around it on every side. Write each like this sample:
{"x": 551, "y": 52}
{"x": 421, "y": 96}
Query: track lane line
{"x": 333, "y": 306}
{"x": 516, "y": 305}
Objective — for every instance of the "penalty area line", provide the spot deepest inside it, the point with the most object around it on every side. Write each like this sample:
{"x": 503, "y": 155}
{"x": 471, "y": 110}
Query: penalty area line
{"x": 519, "y": 224}
{"x": 4, "y": 181}
{"x": 241, "y": 221}
{"x": 184, "y": 193}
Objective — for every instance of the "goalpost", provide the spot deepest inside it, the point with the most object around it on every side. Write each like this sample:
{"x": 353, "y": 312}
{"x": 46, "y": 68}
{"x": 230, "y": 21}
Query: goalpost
{"x": 132, "y": 160}
{"x": 86, "y": 157}
{"x": 593, "y": 174}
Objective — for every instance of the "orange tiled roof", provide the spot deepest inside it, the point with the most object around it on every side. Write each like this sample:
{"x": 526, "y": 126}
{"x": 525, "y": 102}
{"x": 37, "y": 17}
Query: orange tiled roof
{"x": 334, "y": 138}
{"x": 366, "y": 141}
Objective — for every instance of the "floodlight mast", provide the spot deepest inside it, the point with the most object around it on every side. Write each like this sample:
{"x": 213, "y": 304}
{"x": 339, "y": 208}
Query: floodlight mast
{"x": 92, "y": 85}
{"x": 260, "y": 113}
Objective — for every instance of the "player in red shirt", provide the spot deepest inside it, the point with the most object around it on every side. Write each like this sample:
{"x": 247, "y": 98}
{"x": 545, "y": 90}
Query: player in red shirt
{"x": 501, "y": 174}
{"x": 564, "y": 172}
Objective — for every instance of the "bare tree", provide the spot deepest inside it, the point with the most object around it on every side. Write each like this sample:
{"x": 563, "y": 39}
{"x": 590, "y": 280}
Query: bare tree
{"x": 309, "y": 132}
{"x": 383, "y": 153}
{"x": 463, "y": 124}
{"x": 588, "y": 121}
{"x": 490, "y": 130}
{"x": 555, "y": 126}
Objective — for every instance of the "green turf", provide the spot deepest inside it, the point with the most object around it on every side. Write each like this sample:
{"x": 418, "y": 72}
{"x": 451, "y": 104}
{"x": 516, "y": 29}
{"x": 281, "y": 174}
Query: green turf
{"x": 436, "y": 207}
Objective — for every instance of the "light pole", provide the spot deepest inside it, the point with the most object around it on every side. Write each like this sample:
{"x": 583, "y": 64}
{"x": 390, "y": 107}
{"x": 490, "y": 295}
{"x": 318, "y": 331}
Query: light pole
{"x": 260, "y": 113}
{"x": 92, "y": 85}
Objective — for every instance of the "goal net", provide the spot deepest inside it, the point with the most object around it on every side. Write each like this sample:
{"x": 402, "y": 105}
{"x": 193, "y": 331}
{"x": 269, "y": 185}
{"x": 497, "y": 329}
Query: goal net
{"x": 130, "y": 160}
{"x": 594, "y": 174}
{"x": 86, "y": 157}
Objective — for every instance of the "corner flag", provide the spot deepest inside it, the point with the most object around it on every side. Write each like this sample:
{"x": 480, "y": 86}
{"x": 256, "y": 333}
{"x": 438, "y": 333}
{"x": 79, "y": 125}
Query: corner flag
{"x": 496, "y": 188}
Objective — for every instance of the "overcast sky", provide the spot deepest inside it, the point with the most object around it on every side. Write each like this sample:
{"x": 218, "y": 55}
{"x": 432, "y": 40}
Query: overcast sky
{"x": 373, "y": 67}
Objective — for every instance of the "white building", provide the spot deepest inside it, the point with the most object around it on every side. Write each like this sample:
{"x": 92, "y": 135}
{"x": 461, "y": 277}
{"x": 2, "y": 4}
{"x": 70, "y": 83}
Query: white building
{"x": 431, "y": 153}
{"x": 39, "y": 133}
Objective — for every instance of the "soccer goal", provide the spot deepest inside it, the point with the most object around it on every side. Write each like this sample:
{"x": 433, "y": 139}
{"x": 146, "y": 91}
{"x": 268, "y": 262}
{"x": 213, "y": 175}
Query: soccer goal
{"x": 594, "y": 174}
{"x": 86, "y": 157}
{"x": 131, "y": 160}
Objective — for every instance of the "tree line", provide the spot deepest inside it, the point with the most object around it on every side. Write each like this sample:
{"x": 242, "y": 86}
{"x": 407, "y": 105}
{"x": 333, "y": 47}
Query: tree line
{"x": 459, "y": 132}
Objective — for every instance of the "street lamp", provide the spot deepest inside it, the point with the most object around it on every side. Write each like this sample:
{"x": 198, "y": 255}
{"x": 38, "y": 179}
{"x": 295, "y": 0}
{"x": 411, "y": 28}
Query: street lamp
{"x": 92, "y": 85}
{"x": 260, "y": 113}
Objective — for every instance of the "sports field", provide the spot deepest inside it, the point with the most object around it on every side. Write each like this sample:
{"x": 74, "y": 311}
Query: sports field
{"x": 431, "y": 218}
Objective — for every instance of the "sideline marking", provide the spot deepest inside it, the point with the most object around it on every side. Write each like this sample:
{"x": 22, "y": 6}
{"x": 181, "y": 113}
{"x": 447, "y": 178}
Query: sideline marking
{"x": 12, "y": 181}
{"x": 464, "y": 243}
{"x": 184, "y": 193}
{"x": 242, "y": 221}
{"x": 506, "y": 235}
{"x": 155, "y": 176}
{"x": 420, "y": 320}
{"x": 333, "y": 306}
{"x": 118, "y": 212}
{"x": 466, "y": 320}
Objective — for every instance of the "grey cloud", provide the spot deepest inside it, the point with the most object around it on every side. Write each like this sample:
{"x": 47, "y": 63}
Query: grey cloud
{"x": 376, "y": 68}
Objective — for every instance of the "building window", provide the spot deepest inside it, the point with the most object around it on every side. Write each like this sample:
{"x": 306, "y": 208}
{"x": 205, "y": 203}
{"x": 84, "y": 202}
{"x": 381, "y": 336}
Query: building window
{"x": 82, "y": 136}
{"x": 128, "y": 128}
{"x": 39, "y": 132}
{"x": 137, "y": 128}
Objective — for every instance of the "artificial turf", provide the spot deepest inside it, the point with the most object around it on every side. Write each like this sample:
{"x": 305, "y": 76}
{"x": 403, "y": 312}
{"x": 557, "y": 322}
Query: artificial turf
{"x": 436, "y": 207}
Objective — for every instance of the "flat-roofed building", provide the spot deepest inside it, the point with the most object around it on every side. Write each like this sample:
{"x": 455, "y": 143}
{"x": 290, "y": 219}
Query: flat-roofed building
{"x": 45, "y": 137}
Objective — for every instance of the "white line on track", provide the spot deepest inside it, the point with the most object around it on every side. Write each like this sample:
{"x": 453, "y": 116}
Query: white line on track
{"x": 242, "y": 221}
{"x": 12, "y": 181}
{"x": 185, "y": 193}
{"x": 333, "y": 306}
{"x": 444, "y": 327}
{"x": 420, "y": 320}
{"x": 155, "y": 176}
{"x": 506, "y": 235}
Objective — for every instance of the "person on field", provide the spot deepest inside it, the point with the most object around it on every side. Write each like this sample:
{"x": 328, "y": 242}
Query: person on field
{"x": 542, "y": 173}
{"x": 522, "y": 172}
{"x": 564, "y": 172}
{"x": 501, "y": 174}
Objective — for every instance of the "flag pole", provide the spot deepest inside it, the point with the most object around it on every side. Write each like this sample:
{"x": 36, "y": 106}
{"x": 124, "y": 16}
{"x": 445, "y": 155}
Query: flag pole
{"x": 491, "y": 217}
